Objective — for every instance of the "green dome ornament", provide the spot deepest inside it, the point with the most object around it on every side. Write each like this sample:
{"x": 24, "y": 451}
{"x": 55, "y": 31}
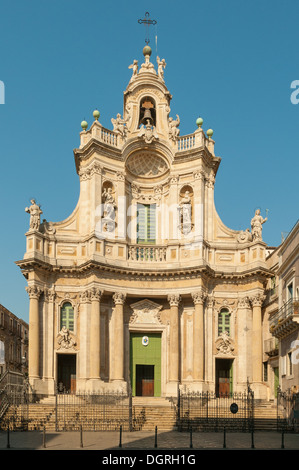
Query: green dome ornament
{"x": 210, "y": 132}
{"x": 84, "y": 125}
{"x": 199, "y": 122}
{"x": 96, "y": 114}
{"x": 147, "y": 50}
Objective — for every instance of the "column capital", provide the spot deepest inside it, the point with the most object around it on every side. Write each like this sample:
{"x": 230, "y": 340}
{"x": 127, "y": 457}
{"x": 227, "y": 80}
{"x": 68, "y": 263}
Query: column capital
{"x": 174, "y": 299}
{"x": 244, "y": 302}
{"x": 50, "y": 295}
{"x": 257, "y": 300}
{"x": 119, "y": 298}
{"x": 95, "y": 294}
{"x": 34, "y": 292}
{"x": 199, "y": 297}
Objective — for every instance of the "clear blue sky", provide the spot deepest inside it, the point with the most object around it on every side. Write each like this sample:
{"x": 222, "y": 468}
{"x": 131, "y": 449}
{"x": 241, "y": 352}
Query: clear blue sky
{"x": 231, "y": 62}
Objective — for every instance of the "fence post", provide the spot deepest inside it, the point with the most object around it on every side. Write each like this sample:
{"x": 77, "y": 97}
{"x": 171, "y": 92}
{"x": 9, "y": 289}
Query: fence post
{"x": 191, "y": 443}
{"x": 81, "y": 436}
{"x": 282, "y": 439}
{"x": 8, "y": 439}
{"x": 252, "y": 439}
{"x": 156, "y": 438}
{"x": 224, "y": 438}
{"x": 44, "y": 437}
{"x": 120, "y": 436}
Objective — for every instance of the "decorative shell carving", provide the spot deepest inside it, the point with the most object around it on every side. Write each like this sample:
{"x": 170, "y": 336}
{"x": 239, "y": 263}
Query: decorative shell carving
{"x": 146, "y": 165}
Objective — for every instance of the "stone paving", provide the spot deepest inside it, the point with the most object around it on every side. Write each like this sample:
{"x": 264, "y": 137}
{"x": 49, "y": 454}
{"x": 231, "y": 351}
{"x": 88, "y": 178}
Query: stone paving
{"x": 126, "y": 441}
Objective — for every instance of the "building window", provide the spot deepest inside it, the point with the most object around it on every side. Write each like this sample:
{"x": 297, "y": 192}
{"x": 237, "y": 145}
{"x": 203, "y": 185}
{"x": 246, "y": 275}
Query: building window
{"x": 224, "y": 322}
{"x": 146, "y": 223}
{"x": 290, "y": 291}
{"x": 67, "y": 316}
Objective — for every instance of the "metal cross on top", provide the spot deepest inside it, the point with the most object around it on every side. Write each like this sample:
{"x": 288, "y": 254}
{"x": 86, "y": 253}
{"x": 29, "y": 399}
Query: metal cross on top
{"x": 147, "y": 22}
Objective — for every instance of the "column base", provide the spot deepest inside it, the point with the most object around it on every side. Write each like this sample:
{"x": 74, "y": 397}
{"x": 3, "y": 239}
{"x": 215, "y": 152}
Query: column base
{"x": 260, "y": 390}
{"x": 95, "y": 385}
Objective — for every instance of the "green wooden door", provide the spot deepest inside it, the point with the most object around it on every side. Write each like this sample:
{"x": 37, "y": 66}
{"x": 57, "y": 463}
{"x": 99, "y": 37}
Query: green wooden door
{"x": 145, "y": 350}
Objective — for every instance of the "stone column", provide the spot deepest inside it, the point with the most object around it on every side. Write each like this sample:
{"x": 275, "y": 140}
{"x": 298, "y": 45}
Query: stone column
{"x": 34, "y": 293}
{"x": 209, "y": 357}
{"x": 243, "y": 328}
{"x": 118, "y": 352}
{"x": 49, "y": 335}
{"x": 198, "y": 336}
{"x": 174, "y": 349}
{"x": 95, "y": 333}
{"x": 257, "y": 347}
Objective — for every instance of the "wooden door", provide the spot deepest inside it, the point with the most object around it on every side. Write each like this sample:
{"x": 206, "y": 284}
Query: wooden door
{"x": 145, "y": 383}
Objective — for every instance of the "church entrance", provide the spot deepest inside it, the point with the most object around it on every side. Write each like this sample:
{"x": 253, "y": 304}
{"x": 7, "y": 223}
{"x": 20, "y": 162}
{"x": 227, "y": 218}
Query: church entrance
{"x": 224, "y": 377}
{"x": 145, "y": 364}
{"x": 66, "y": 372}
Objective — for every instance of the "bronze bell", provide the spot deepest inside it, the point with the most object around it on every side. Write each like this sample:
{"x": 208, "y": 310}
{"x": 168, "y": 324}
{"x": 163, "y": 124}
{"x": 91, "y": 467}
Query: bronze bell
{"x": 147, "y": 116}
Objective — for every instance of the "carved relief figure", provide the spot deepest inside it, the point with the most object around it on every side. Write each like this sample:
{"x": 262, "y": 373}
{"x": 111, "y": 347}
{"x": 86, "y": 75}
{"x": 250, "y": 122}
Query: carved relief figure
{"x": 174, "y": 132}
{"x": 64, "y": 339}
{"x": 256, "y": 225}
{"x": 35, "y": 212}
{"x": 148, "y": 132}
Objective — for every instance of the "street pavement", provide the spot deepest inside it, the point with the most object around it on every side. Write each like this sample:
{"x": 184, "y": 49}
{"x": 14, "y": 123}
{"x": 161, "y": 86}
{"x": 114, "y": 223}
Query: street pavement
{"x": 147, "y": 441}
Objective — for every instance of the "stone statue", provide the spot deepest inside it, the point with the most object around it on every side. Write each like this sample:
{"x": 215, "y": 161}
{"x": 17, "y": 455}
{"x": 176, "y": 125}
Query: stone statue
{"x": 35, "y": 212}
{"x": 134, "y": 66}
{"x": 119, "y": 125}
{"x": 109, "y": 204}
{"x": 256, "y": 225}
{"x": 161, "y": 67}
{"x": 185, "y": 208}
{"x": 174, "y": 132}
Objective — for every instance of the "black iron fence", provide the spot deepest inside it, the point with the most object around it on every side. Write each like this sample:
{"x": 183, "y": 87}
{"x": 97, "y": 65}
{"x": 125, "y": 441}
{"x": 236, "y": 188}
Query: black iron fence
{"x": 205, "y": 411}
{"x": 287, "y": 411}
{"x": 21, "y": 408}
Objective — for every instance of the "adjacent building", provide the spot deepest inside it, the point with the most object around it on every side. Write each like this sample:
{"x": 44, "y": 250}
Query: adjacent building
{"x": 143, "y": 285}
{"x": 13, "y": 343}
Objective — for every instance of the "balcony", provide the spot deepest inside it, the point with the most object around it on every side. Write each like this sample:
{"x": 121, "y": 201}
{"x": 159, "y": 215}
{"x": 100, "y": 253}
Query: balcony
{"x": 286, "y": 320}
{"x": 147, "y": 253}
{"x": 271, "y": 347}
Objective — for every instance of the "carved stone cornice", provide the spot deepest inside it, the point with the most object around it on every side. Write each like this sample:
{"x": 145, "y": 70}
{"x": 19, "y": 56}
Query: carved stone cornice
{"x": 119, "y": 298}
{"x": 174, "y": 300}
{"x": 34, "y": 292}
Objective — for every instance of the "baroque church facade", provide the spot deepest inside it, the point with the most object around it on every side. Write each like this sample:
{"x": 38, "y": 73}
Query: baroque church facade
{"x": 143, "y": 286}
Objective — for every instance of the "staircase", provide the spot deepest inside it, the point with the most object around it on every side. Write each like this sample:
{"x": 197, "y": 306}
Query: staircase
{"x": 265, "y": 416}
{"x": 147, "y": 413}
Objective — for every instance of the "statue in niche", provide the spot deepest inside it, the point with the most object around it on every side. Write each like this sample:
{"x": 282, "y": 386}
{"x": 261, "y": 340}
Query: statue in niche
{"x": 35, "y": 212}
{"x": 134, "y": 66}
{"x": 119, "y": 125}
{"x": 109, "y": 209}
{"x": 174, "y": 132}
{"x": 256, "y": 225}
{"x": 148, "y": 132}
{"x": 161, "y": 67}
{"x": 185, "y": 208}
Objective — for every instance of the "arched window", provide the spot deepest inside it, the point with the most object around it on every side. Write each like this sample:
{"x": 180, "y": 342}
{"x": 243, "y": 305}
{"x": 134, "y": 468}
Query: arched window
{"x": 224, "y": 321}
{"x": 67, "y": 316}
